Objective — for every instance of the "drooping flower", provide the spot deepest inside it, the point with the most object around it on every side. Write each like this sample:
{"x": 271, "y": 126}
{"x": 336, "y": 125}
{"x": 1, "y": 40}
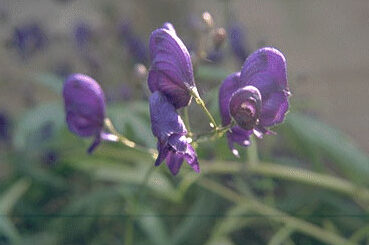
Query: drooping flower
{"x": 168, "y": 127}
{"x": 84, "y": 103}
{"x": 256, "y": 97}
{"x": 171, "y": 70}
{"x": 237, "y": 41}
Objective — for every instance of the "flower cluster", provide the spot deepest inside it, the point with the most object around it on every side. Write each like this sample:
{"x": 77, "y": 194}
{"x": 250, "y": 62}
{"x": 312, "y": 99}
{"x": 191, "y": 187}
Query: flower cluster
{"x": 170, "y": 80}
{"x": 250, "y": 101}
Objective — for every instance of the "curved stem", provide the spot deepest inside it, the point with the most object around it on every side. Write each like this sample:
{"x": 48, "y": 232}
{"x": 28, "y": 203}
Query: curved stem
{"x": 252, "y": 151}
{"x": 274, "y": 214}
{"x": 200, "y": 102}
{"x": 187, "y": 121}
{"x": 109, "y": 125}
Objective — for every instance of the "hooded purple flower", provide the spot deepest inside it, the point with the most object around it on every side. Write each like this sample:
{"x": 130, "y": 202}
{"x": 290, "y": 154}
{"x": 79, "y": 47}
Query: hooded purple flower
{"x": 170, "y": 130}
{"x": 171, "y": 67}
{"x": 84, "y": 107}
{"x": 256, "y": 97}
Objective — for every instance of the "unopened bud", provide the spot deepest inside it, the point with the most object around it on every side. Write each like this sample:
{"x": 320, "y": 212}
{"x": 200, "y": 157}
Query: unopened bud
{"x": 140, "y": 71}
{"x": 207, "y": 19}
{"x": 219, "y": 36}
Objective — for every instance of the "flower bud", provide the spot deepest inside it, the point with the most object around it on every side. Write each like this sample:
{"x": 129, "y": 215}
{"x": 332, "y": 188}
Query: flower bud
{"x": 84, "y": 103}
{"x": 245, "y": 107}
{"x": 219, "y": 36}
{"x": 207, "y": 19}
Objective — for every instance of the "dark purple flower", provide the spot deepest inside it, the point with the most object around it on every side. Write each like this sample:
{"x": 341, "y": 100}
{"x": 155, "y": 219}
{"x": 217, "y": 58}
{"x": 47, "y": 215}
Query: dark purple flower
{"x": 171, "y": 69}
{"x": 136, "y": 47}
{"x": 84, "y": 107}
{"x": 171, "y": 132}
{"x": 28, "y": 39}
{"x": 238, "y": 42}
{"x": 256, "y": 97}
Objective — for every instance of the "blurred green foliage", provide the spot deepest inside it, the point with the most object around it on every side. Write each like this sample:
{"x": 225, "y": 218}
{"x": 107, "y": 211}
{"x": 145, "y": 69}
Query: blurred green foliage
{"x": 310, "y": 186}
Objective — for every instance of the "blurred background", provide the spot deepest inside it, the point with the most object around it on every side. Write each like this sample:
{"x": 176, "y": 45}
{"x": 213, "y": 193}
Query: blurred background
{"x": 52, "y": 192}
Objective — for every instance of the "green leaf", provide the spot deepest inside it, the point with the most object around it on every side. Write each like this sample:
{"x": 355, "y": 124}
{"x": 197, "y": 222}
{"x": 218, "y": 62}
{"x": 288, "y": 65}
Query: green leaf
{"x": 12, "y": 195}
{"x": 50, "y": 81}
{"x": 151, "y": 223}
{"x": 352, "y": 162}
{"x": 211, "y": 73}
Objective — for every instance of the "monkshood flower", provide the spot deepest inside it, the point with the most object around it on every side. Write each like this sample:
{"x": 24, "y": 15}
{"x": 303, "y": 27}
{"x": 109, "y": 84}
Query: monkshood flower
{"x": 171, "y": 69}
{"x": 85, "y": 107}
{"x": 136, "y": 47}
{"x": 28, "y": 39}
{"x": 237, "y": 41}
{"x": 256, "y": 98}
{"x": 168, "y": 127}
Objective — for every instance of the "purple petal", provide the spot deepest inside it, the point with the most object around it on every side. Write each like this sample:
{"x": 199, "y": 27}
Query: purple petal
{"x": 163, "y": 153}
{"x": 176, "y": 95}
{"x": 245, "y": 107}
{"x": 240, "y": 136}
{"x": 237, "y": 41}
{"x": 94, "y": 144}
{"x": 171, "y": 63}
{"x": 169, "y": 27}
{"x": 228, "y": 87}
{"x": 84, "y": 105}
{"x": 274, "y": 109}
{"x": 174, "y": 162}
{"x": 178, "y": 143}
{"x": 266, "y": 70}
{"x": 165, "y": 121}
{"x": 191, "y": 158}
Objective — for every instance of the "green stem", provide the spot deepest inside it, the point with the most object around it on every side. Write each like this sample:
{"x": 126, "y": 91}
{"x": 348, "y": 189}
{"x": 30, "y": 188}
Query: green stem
{"x": 292, "y": 174}
{"x": 274, "y": 214}
{"x": 109, "y": 125}
{"x": 200, "y": 102}
{"x": 252, "y": 151}
{"x": 187, "y": 121}
{"x": 213, "y": 134}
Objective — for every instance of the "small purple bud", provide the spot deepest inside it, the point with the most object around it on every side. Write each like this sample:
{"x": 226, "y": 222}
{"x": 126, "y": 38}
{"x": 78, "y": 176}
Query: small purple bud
{"x": 84, "y": 107}
{"x": 245, "y": 107}
{"x": 171, "y": 69}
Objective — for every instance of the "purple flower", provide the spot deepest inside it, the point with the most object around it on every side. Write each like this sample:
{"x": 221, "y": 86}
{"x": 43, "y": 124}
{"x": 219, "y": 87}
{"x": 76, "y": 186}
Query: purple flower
{"x": 84, "y": 107}
{"x": 136, "y": 47}
{"x": 256, "y": 97}
{"x": 171, "y": 69}
{"x": 28, "y": 39}
{"x": 238, "y": 42}
{"x": 170, "y": 131}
